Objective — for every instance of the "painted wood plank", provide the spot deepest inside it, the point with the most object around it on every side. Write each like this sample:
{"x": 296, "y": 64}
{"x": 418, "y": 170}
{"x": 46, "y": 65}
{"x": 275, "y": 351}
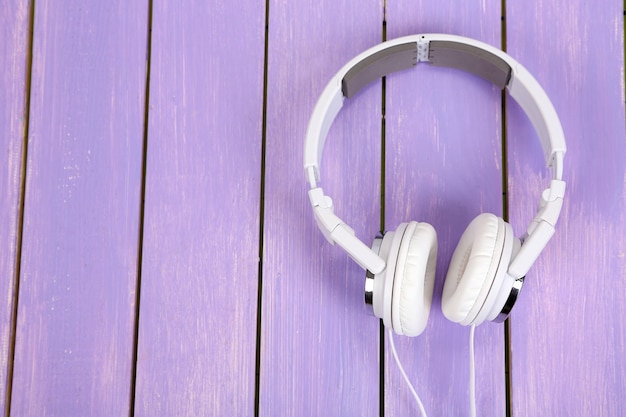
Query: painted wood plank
{"x": 443, "y": 130}
{"x": 197, "y": 337}
{"x": 14, "y": 22}
{"x": 568, "y": 331}
{"x": 319, "y": 348}
{"x": 79, "y": 260}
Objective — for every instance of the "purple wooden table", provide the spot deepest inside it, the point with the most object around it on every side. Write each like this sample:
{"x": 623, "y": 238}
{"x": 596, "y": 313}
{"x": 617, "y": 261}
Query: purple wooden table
{"x": 158, "y": 256}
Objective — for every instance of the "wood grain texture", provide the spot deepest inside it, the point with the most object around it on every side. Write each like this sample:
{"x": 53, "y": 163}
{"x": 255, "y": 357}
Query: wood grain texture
{"x": 320, "y": 351}
{"x": 568, "y": 331}
{"x": 14, "y": 22}
{"x": 197, "y": 337}
{"x": 444, "y": 133}
{"x": 319, "y": 347}
{"x": 79, "y": 259}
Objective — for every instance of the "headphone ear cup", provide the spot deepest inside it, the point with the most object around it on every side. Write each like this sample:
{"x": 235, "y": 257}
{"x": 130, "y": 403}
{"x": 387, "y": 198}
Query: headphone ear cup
{"x": 473, "y": 268}
{"x": 384, "y": 281}
{"x": 414, "y": 279}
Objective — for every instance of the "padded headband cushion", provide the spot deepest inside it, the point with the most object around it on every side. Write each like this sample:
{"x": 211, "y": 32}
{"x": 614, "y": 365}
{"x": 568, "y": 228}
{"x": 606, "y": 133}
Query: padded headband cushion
{"x": 473, "y": 265}
{"x": 414, "y": 279}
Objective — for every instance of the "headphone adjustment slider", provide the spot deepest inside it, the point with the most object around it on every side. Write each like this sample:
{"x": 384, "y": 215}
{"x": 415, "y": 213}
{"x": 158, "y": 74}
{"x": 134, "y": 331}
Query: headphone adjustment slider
{"x": 423, "y": 47}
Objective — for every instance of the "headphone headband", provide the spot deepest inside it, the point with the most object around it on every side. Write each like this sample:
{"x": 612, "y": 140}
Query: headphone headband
{"x": 451, "y": 51}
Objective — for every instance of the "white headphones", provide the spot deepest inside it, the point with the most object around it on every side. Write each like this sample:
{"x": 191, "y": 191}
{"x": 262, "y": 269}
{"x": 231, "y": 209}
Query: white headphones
{"x": 489, "y": 264}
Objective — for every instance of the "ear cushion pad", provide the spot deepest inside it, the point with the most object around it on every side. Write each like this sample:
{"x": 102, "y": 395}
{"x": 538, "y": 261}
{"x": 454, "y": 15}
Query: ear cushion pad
{"x": 473, "y": 268}
{"x": 394, "y": 239}
{"x": 414, "y": 279}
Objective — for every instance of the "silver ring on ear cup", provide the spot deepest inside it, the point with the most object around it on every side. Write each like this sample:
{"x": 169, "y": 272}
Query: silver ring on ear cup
{"x": 510, "y": 301}
{"x": 369, "y": 292}
{"x": 369, "y": 277}
{"x": 504, "y": 284}
{"x": 375, "y": 284}
{"x": 379, "y": 287}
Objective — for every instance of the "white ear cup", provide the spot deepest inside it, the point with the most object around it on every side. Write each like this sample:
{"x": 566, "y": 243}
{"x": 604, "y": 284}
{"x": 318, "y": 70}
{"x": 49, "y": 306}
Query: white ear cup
{"x": 503, "y": 283}
{"x": 475, "y": 284}
{"x": 414, "y": 279}
{"x": 389, "y": 273}
{"x": 378, "y": 293}
{"x": 473, "y": 268}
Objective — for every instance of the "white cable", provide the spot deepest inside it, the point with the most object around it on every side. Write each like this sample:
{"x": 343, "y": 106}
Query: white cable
{"x": 472, "y": 371}
{"x": 395, "y": 356}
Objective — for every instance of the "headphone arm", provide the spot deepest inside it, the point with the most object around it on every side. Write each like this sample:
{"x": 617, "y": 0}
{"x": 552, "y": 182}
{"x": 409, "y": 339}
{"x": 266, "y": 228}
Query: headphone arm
{"x": 337, "y": 231}
{"x": 540, "y": 230}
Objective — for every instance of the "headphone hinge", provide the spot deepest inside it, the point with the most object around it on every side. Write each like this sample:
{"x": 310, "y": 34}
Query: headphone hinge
{"x": 550, "y": 205}
{"x": 326, "y": 219}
